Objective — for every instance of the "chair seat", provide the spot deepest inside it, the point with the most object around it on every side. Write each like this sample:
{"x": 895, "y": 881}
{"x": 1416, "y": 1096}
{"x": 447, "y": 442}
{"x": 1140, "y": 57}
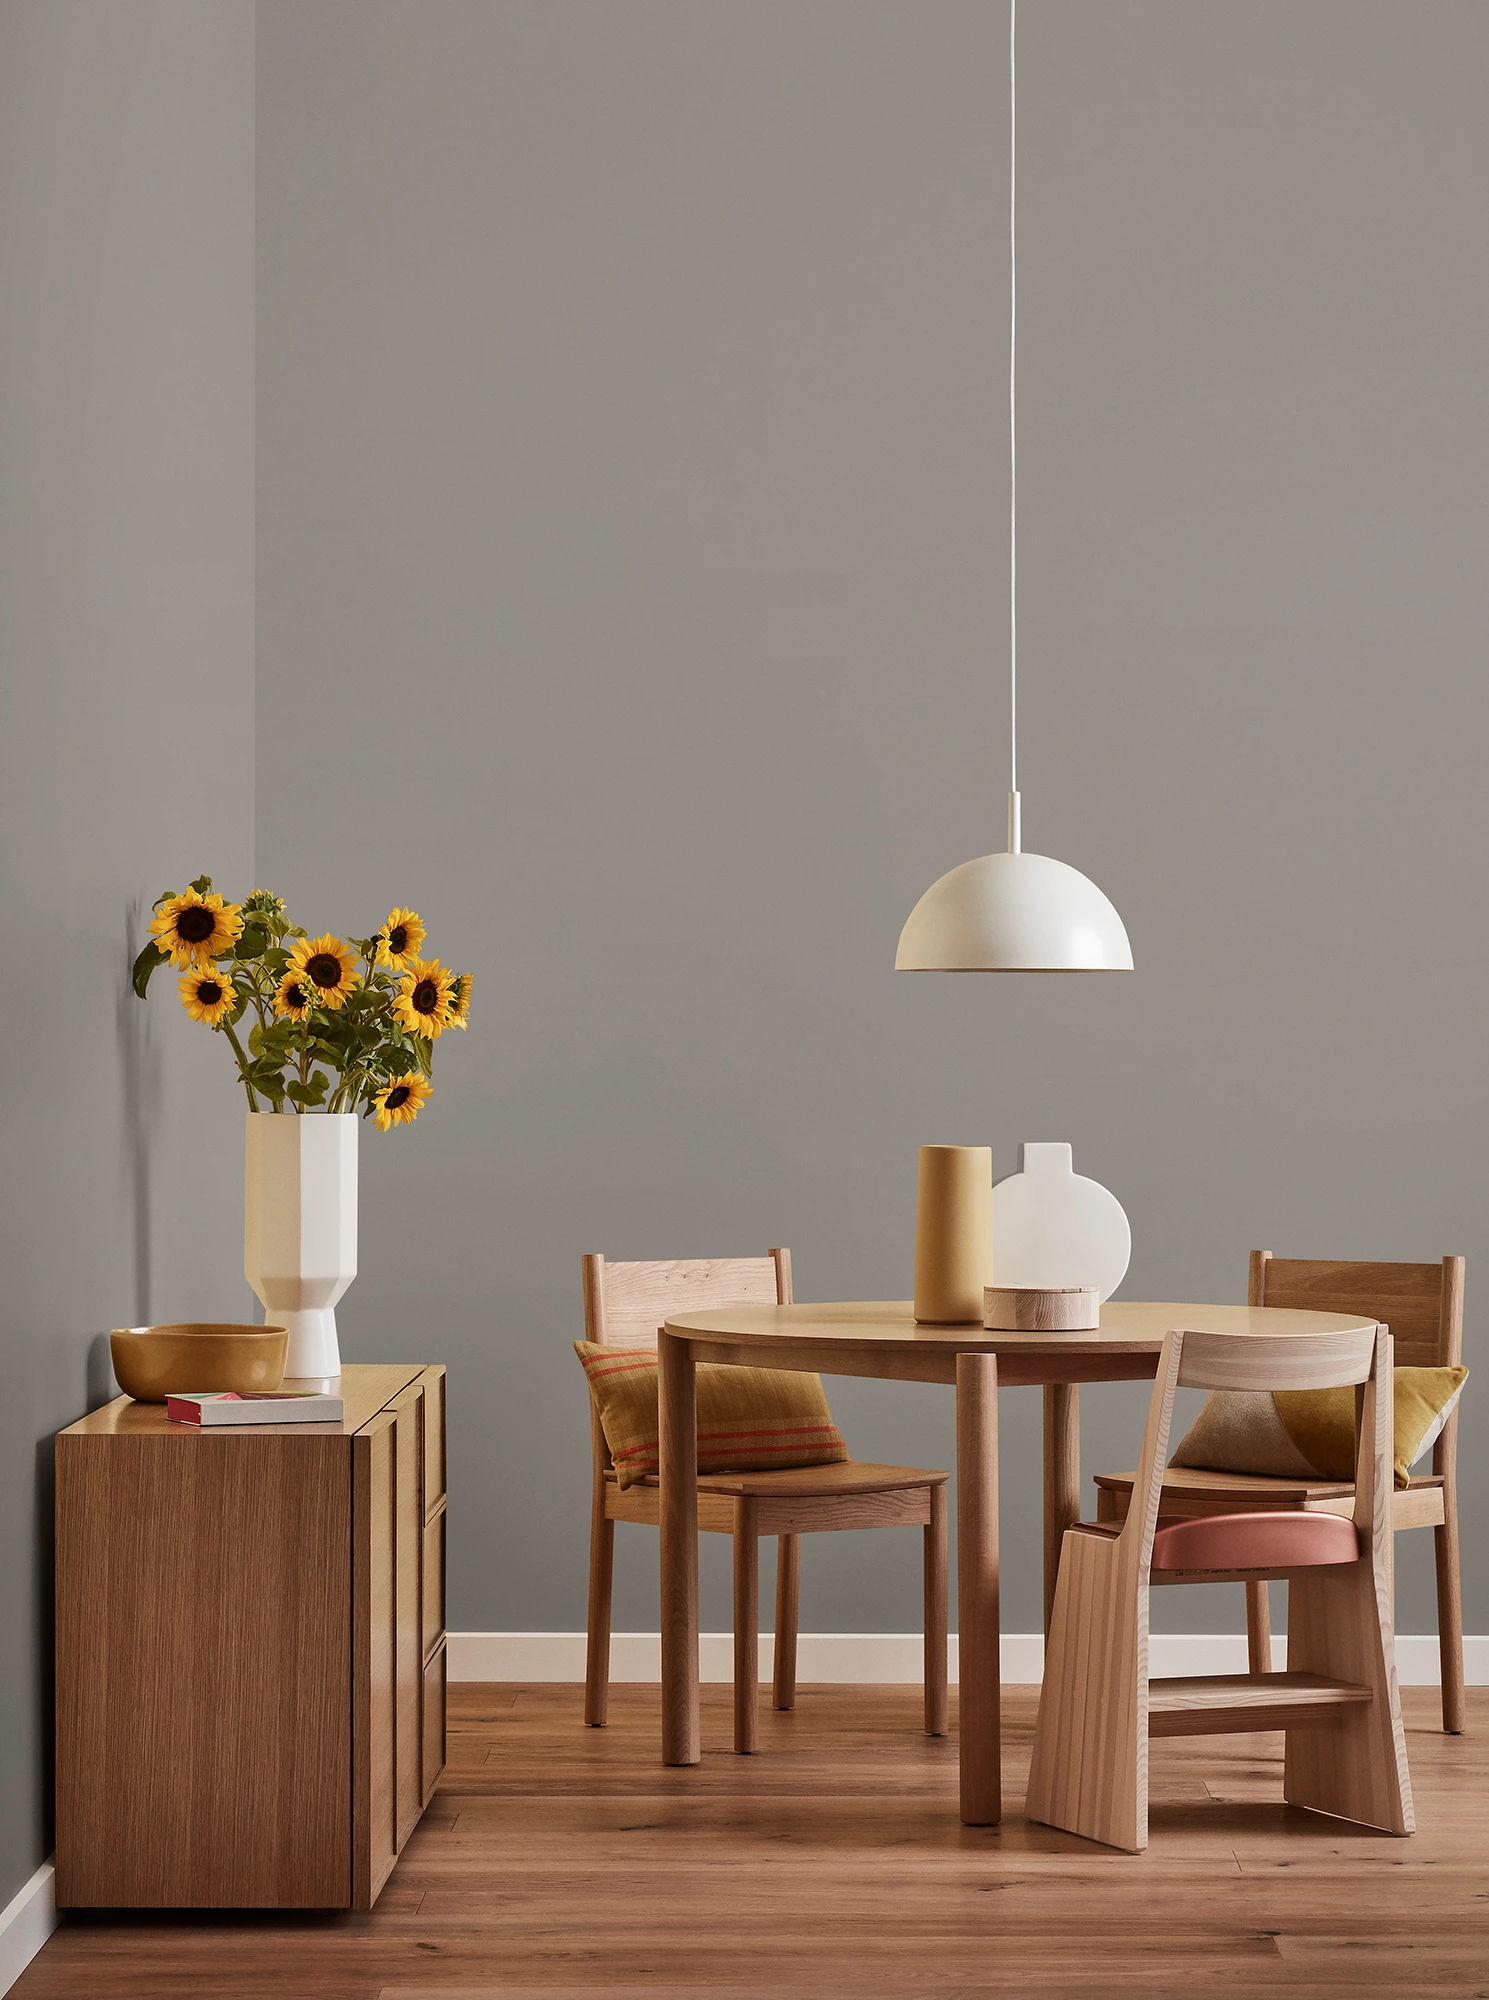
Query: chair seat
{"x": 821, "y": 1480}
{"x": 1191, "y": 1490}
{"x": 1288, "y": 1540}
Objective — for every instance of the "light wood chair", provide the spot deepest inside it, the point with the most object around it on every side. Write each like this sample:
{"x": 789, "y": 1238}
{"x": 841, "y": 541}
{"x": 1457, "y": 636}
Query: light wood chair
{"x": 624, "y": 1306}
{"x": 1422, "y": 1304}
{"x": 1338, "y": 1702}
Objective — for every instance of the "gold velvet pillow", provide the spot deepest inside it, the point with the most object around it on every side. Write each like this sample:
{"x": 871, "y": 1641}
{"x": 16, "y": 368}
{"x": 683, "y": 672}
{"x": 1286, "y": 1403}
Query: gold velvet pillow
{"x": 749, "y": 1419}
{"x": 1310, "y": 1433}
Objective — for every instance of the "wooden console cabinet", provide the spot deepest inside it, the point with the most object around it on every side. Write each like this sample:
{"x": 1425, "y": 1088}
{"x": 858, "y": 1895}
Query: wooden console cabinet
{"x": 250, "y": 1651}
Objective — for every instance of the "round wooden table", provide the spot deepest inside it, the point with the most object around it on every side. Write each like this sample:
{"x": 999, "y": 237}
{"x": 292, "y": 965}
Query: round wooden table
{"x": 884, "y": 1340}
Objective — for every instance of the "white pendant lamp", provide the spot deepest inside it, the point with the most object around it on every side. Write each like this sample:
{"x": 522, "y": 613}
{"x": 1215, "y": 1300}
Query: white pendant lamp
{"x": 1013, "y": 912}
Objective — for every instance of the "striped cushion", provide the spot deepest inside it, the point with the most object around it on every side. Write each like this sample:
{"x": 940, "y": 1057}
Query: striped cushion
{"x": 748, "y": 1418}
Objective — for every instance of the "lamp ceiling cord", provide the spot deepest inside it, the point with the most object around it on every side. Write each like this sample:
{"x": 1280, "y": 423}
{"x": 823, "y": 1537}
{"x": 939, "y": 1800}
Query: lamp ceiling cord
{"x": 1013, "y": 912}
{"x": 1013, "y": 457}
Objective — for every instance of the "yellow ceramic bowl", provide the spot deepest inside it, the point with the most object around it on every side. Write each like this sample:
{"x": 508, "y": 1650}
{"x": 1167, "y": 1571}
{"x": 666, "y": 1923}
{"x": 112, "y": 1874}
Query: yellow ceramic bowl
{"x": 153, "y": 1362}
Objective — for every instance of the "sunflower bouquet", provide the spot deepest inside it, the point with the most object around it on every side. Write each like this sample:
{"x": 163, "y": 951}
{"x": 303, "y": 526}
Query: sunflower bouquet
{"x": 334, "y": 1025}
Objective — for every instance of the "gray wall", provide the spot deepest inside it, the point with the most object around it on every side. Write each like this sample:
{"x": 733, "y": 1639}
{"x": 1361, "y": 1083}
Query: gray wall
{"x": 126, "y": 756}
{"x": 632, "y": 599}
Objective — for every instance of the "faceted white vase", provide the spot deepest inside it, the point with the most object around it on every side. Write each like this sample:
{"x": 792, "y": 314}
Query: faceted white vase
{"x": 300, "y": 1228}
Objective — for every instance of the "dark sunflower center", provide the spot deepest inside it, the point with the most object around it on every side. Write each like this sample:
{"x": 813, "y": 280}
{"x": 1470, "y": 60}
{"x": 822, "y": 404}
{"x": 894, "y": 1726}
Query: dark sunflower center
{"x": 209, "y": 993}
{"x": 398, "y": 1095}
{"x": 398, "y": 940}
{"x": 323, "y": 970}
{"x": 296, "y": 996}
{"x": 426, "y": 997}
{"x": 195, "y": 925}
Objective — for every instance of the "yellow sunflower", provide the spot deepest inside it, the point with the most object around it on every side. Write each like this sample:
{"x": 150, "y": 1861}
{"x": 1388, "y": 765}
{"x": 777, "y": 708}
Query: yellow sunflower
{"x": 294, "y": 998}
{"x": 193, "y": 930}
{"x": 460, "y": 1002}
{"x": 399, "y": 940}
{"x": 397, "y": 1103}
{"x": 326, "y": 965}
{"x": 423, "y": 1006}
{"x": 207, "y": 995}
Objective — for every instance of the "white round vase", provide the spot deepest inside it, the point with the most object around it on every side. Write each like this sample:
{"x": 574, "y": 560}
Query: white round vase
{"x": 300, "y": 1228}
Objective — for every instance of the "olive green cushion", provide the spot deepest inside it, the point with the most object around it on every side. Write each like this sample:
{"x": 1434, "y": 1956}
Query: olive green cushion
{"x": 1310, "y": 1433}
{"x": 749, "y": 1419}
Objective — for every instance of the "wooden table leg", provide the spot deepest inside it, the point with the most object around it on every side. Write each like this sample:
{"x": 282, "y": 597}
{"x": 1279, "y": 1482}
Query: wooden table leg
{"x": 1062, "y": 1478}
{"x": 677, "y": 1375}
{"x": 979, "y": 1725}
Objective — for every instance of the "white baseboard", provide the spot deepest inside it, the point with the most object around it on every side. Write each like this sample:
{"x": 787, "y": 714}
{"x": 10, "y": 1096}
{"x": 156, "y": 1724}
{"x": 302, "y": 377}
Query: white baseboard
{"x": 879, "y": 1657}
{"x": 26, "y": 1922}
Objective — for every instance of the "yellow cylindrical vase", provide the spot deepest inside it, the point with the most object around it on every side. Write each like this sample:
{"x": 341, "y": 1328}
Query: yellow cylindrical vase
{"x": 953, "y": 1234}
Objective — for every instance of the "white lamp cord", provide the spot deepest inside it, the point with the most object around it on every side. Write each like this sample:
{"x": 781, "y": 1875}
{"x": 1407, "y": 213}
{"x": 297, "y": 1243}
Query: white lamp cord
{"x": 1013, "y": 463}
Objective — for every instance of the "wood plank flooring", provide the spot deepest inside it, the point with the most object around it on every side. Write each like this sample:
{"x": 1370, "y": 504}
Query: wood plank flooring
{"x": 557, "y": 1861}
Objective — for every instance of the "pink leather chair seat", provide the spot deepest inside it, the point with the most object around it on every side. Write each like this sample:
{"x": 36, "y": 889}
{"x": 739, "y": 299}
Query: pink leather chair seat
{"x": 1254, "y": 1541}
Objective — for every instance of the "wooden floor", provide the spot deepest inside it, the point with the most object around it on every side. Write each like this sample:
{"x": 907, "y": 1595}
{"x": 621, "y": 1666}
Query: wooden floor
{"x": 558, "y": 1861}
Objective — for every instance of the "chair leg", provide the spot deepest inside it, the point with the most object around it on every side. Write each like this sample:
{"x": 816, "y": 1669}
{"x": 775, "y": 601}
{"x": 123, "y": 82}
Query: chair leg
{"x": 788, "y": 1577}
{"x": 746, "y": 1626}
{"x": 1089, "y": 1773}
{"x": 1450, "y": 1612}
{"x": 936, "y": 1615}
{"x": 1258, "y": 1629}
{"x": 1340, "y": 1626}
{"x": 597, "y": 1648}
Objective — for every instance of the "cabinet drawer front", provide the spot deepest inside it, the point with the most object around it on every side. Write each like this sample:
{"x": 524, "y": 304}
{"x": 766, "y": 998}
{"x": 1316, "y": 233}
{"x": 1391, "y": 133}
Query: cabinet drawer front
{"x": 434, "y": 1582}
{"x": 433, "y": 1380}
{"x": 434, "y": 1723}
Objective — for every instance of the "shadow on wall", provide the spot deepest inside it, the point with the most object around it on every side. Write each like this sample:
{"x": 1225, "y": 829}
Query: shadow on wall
{"x": 139, "y": 1071}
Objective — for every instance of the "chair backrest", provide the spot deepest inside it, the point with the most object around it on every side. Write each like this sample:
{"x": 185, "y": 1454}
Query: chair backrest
{"x": 1265, "y": 1361}
{"x": 624, "y": 1304}
{"x": 1276, "y": 1361}
{"x": 1422, "y": 1304}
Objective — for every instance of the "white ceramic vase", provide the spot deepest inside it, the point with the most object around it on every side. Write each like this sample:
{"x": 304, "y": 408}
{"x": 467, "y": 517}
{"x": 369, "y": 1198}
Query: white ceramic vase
{"x": 1053, "y": 1227}
{"x": 300, "y": 1228}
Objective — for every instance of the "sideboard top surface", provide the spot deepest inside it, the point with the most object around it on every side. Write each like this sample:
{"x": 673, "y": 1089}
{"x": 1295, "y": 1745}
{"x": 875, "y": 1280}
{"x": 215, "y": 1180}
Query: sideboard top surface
{"x": 365, "y": 1388}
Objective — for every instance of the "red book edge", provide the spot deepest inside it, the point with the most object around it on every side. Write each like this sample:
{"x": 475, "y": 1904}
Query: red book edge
{"x": 188, "y": 1410}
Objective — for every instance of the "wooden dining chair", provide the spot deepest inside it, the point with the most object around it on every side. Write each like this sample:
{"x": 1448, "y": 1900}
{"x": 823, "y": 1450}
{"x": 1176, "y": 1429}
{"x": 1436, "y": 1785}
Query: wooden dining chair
{"x": 624, "y": 1306}
{"x": 1338, "y": 1702}
{"x": 1422, "y": 1304}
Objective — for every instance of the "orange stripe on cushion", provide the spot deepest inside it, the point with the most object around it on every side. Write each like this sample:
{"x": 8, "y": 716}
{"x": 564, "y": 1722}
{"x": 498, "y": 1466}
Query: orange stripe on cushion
{"x": 748, "y": 1418}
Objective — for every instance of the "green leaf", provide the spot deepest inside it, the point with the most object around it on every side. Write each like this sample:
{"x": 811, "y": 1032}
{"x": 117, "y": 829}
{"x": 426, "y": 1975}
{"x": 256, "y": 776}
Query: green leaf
{"x": 313, "y": 1092}
{"x": 276, "y": 959}
{"x": 398, "y": 1062}
{"x": 253, "y": 942}
{"x": 202, "y": 884}
{"x": 145, "y": 964}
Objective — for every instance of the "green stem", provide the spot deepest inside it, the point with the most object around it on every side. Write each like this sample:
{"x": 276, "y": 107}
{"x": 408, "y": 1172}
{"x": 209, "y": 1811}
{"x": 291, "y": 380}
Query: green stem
{"x": 242, "y": 1064}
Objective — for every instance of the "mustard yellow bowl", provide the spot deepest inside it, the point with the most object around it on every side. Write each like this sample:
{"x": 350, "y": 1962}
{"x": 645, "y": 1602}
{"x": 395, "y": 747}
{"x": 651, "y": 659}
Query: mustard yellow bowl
{"x": 153, "y": 1362}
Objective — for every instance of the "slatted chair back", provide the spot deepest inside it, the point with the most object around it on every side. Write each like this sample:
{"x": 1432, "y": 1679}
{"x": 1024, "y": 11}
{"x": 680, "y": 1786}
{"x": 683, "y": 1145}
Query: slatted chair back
{"x": 625, "y": 1304}
{"x": 1422, "y": 1304}
{"x": 1260, "y": 1362}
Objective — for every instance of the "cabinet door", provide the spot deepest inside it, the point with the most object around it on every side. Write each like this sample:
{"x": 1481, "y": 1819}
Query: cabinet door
{"x": 388, "y": 1691}
{"x": 408, "y": 1689}
{"x": 434, "y": 1578}
{"x": 374, "y": 1656}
